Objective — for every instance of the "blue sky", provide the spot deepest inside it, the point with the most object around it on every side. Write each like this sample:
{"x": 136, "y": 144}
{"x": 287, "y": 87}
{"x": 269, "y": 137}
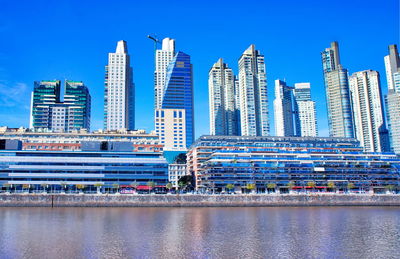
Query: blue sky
{"x": 43, "y": 40}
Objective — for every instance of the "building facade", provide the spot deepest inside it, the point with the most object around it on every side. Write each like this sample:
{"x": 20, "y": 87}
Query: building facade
{"x": 72, "y": 141}
{"x": 164, "y": 57}
{"x": 283, "y": 109}
{"x": 289, "y": 162}
{"x": 392, "y": 66}
{"x": 38, "y": 170}
{"x": 369, "y": 121}
{"x": 171, "y": 128}
{"x": 48, "y": 112}
{"x": 119, "y": 92}
{"x": 222, "y": 100}
{"x": 253, "y": 94}
{"x": 304, "y": 111}
{"x": 178, "y": 95}
{"x": 337, "y": 94}
{"x": 175, "y": 172}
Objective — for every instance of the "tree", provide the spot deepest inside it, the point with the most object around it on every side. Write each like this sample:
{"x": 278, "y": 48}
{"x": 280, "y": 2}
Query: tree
{"x": 311, "y": 184}
{"x": 271, "y": 186}
{"x": 250, "y": 186}
{"x": 230, "y": 187}
{"x": 7, "y": 185}
{"x": 290, "y": 185}
{"x": 390, "y": 187}
{"x": 151, "y": 185}
{"x": 80, "y": 187}
{"x": 350, "y": 186}
{"x": 168, "y": 186}
{"x": 185, "y": 181}
{"x": 331, "y": 185}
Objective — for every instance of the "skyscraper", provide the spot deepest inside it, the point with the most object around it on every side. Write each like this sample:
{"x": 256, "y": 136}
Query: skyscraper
{"x": 222, "y": 100}
{"x": 253, "y": 94}
{"x": 283, "y": 109}
{"x": 369, "y": 122}
{"x": 337, "y": 94}
{"x": 49, "y": 113}
{"x": 177, "y": 96}
{"x": 304, "y": 110}
{"x": 392, "y": 65}
{"x": 119, "y": 93}
{"x": 164, "y": 56}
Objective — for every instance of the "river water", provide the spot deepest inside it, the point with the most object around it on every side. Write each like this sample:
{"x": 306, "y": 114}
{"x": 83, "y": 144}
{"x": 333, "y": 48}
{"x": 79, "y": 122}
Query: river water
{"x": 320, "y": 232}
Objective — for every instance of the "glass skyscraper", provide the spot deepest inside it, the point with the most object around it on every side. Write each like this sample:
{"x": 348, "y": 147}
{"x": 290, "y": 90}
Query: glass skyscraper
{"x": 178, "y": 96}
{"x": 340, "y": 116}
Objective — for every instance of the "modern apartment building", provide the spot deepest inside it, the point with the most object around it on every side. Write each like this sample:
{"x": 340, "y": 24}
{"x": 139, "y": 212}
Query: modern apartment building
{"x": 119, "y": 92}
{"x": 367, "y": 103}
{"x": 48, "y": 112}
{"x": 253, "y": 94}
{"x": 337, "y": 94}
{"x": 289, "y": 163}
{"x": 304, "y": 111}
{"x": 392, "y": 65}
{"x": 283, "y": 109}
{"x": 222, "y": 100}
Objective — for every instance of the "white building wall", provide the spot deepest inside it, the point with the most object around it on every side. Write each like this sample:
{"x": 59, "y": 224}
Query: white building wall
{"x": 171, "y": 128}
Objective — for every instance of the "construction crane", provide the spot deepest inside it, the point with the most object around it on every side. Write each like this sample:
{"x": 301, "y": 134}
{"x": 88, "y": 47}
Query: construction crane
{"x": 153, "y": 37}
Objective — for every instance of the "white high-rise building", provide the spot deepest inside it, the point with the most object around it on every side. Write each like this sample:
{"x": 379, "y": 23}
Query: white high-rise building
{"x": 253, "y": 94}
{"x": 392, "y": 65}
{"x": 222, "y": 100}
{"x": 283, "y": 109}
{"x": 369, "y": 122}
{"x": 164, "y": 56}
{"x": 305, "y": 112}
{"x": 119, "y": 94}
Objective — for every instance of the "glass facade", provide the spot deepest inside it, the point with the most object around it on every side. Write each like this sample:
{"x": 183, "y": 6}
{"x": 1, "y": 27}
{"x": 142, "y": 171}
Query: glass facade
{"x": 178, "y": 91}
{"x": 37, "y": 168}
{"x": 289, "y": 161}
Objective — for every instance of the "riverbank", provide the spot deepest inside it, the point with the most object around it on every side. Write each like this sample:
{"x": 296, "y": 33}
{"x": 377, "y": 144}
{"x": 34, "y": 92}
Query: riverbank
{"x": 253, "y": 200}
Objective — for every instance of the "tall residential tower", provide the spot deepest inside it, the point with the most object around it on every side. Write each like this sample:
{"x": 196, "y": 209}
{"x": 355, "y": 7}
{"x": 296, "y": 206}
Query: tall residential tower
{"x": 369, "y": 122}
{"x": 222, "y": 100}
{"x": 119, "y": 93}
{"x": 253, "y": 94}
{"x": 283, "y": 109}
{"x": 304, "y": 110}
{"x": 392, "y": 65}
{"x": 337, "y": 94}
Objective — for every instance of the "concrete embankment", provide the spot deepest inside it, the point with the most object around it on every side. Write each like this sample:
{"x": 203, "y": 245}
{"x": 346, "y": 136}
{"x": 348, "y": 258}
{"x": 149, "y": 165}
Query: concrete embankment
{"x": 123, "y": 200}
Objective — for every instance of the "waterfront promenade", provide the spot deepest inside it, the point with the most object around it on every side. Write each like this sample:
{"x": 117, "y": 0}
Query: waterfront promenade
{"x": 197, "y": 200}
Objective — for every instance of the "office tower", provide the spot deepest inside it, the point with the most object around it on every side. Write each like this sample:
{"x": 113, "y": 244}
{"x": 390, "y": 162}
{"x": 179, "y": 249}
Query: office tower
{"x": 77, "y": 97}
{"x": 337, "y": 94}
{"x": 392, "y": 65}
{"x": 164, "y": 56}
{"x": 369, "y": 122}
{"x": 304, "y": 111}
{"x": 45, "y": 94}
{"x": 177, "y": 96}
{"x": 49, "y": 113}
{"x": 221, "y": 85}
{"x": 283, "y": 109}
{"x": 253, "y": 94}
{"x": 119, "y": 93}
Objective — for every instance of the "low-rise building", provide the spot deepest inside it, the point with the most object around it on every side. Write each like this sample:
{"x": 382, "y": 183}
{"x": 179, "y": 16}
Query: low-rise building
{"x": 175, "y": 172}
{"x": 289, "y": 162}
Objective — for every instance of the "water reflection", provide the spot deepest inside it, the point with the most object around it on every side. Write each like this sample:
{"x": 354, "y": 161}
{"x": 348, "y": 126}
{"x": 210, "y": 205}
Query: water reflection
{"x": 338, "y": 232}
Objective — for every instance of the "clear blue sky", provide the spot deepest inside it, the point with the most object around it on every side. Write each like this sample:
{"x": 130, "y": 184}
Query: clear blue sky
{"x": 42, "y": 40}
